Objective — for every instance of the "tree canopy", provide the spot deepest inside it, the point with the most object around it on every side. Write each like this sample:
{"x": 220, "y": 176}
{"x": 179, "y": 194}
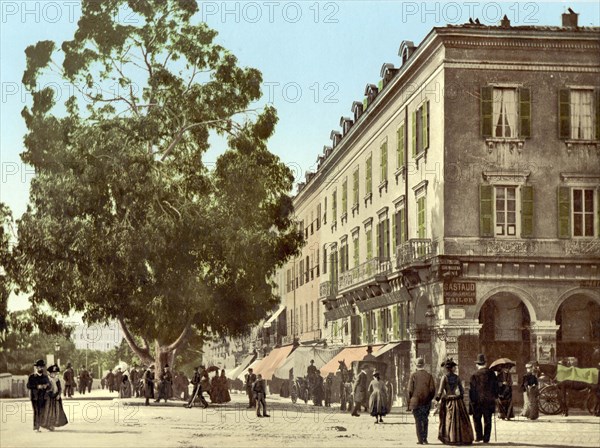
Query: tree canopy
{"x": 125, "y": 221}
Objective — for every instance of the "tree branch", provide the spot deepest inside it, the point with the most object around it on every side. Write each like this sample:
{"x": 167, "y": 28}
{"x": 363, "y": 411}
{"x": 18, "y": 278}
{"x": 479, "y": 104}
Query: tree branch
{"x": 143, "y": 353}
{"x": 182, "y": 337}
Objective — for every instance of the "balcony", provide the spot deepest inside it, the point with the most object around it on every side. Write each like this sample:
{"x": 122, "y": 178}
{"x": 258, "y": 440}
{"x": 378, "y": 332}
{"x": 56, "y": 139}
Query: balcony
{"x": 415, "y": 250}
{"x": 364, "y": 272}
{"x": 327, "y": 289}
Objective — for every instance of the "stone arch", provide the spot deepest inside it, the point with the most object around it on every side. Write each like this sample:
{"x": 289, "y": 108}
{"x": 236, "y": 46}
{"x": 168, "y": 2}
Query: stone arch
{"x": 422, "y": 303}
{"x": 595, "y": 295}
{"x": 522, "y": 294}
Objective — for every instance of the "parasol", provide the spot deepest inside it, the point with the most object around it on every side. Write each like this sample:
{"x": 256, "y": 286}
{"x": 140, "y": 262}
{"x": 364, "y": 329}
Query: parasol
{"x": 499, "y": 363}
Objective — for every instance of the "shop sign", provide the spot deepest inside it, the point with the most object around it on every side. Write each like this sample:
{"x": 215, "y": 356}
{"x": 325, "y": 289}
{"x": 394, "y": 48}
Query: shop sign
{"x": 456, "y": 313}
{"x": 460, "y": 293}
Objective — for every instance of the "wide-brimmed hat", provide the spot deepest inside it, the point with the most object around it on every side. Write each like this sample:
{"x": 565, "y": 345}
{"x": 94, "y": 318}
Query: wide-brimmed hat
{"x": 449, "y": 363}
{"x": 40, "y": 363}
{"x": 377, "y": 375}
{"x": 53, "y": 369}
{"x": 420, "y": 362}
{"x": 480, "y": 359}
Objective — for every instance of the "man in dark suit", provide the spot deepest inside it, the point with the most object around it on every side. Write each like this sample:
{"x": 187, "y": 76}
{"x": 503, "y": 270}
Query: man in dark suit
{"x": 259, "y": 389}
{"x": 421, "y": 390}
{"x": 250, "y": 379}
{"x": 359, "y": 390}
{"x": 69, "y": 377}
{"x": 37, "y": 384}
{"x": 482, "y": 394}
{"x": 197, "y": 392}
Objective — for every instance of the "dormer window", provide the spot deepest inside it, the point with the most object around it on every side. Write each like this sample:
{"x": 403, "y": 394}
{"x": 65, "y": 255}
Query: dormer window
{"x": 327, "y": 151}
{"x": 335, "y": 137}
{"x": 387, "y": 73}
{"x": 357, "y": 110}
{"x": 407, "y": 48}
{"x": 345, "y": 123}
{"x": 371, "y": 92}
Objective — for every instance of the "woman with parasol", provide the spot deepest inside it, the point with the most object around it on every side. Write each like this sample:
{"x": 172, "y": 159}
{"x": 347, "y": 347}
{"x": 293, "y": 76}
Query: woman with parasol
{"x": 502, "y": 367}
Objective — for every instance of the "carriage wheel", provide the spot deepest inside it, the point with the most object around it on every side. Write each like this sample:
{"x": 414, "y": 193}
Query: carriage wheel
{"x": 590, "y": 402}
{"x": 294, "y": 393}
{"x": 550, "y": 400}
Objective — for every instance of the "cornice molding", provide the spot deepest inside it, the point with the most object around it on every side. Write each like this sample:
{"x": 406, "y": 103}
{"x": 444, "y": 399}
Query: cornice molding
{"x": 517, "y": 177}
{"x": 580, "y": 178}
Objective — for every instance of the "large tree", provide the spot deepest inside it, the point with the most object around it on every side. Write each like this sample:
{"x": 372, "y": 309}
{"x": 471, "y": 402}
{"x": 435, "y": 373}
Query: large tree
{"x": 125, "y": 221}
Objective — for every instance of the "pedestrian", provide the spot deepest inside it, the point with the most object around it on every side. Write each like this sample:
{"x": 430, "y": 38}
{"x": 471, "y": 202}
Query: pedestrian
{"x": 505, "y": 405}
{"x": 225, "y": 396}
{"x": 328, "y": 389}
{"x": 165, "y": 386}
{"x": 117, "y": 380}
{"x": 83, "y": 380}
{"x": 259, "y": 389}
{"x": 455, "y": 427}
{"x": 215, "y": 388}
{"x": 377, "y": 398}
{"x": 318, "y": 389}
{"x": 250, "y": 379}
{"x": 184, "y": 385}
{"x": 482, "y": 394}
{"x": 110, "y": 379}
{"x": 53, "y": 415}
{"x": 359, "y": 390}
{"x": 530, "y": 388}
{"x": 389, "y": 393}
{"x": 90, "y": 382}
{"x": 197, "y": 392}
{"x": 38, "y": 383}
{"x": 134, "y": 377}
{"x": 125, "y": 389}
{"x": 149, "y": 384}
{"x": 69, "y": 378}
{"x": 421, "y": 390}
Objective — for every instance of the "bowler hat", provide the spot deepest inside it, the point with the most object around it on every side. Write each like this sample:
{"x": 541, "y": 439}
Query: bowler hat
{"x": 420, "y": 362}
{"x": 53, "y": 369}
{"x": 40, "y": 363}
{"x": 480, "y": 360}
{"x": 376, "y": 375}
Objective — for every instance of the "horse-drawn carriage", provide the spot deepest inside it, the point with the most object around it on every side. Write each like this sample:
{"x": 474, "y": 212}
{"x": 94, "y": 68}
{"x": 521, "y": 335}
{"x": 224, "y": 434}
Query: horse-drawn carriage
{"x": 299, "y": 390}
{"x": 562, "y": 387}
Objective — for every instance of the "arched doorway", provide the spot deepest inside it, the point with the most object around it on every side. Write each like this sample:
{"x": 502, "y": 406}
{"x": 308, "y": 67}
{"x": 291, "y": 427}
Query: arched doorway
{"x": 423, "y": 345}
{"x": 505, "y": 329}
{"x": 579, "y": 332}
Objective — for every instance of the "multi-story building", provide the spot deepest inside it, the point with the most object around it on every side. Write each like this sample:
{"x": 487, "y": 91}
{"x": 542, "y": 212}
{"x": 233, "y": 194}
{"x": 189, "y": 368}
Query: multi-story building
{"x": 97, "y": 337}
{"x": 458, "y": 209}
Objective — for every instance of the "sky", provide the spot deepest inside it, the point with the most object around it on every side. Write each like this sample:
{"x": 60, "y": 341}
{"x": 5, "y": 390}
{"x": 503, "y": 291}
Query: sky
{"x": 316, "y": 58}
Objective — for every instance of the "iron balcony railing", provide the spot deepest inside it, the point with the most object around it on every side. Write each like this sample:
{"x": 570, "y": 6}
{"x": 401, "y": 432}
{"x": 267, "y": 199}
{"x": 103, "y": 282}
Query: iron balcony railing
{"x": 365, "y": 271}
{"x": 415, "y": 249}
{"x": 327, "y": 289}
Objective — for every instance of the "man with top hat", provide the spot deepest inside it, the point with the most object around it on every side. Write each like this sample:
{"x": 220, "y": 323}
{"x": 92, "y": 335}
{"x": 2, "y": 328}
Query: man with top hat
{"x": 421, "y": 390}
{"x": 165, "y": 387}
{"x": 134, "y": 377}
{"x": 482, "y": 394}
{"x": 69, "y": 377}
{"x": 359, "y": 390}
{"x": 149, "y": 384}
{"x": 37, "y": 384}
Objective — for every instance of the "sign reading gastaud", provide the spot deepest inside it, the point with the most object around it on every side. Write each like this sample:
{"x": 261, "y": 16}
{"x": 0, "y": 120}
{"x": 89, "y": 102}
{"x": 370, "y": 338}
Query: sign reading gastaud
{"x": 460, "y": 293}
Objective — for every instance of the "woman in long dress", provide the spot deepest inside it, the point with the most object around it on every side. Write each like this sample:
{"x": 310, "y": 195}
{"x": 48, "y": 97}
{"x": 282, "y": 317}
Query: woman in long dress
{"x": 377, "y": 398}
{"x": 225, "y": 397}
{"x": 125, "y": 389}
{"x": 53, "y": 415}
{"x": 455, "y": 426}
{"x": 529, "y": 386}
{"x": 505, "y": 408}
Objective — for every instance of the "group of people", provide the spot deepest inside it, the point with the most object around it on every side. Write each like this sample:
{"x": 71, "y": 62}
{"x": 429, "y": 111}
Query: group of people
{"x": 486, "y": 389}
{"x": 45, "y": 394}
{"x": 86, "y": 380}
{"x": 374, "y": 396}
{"x": 256, "y": 389}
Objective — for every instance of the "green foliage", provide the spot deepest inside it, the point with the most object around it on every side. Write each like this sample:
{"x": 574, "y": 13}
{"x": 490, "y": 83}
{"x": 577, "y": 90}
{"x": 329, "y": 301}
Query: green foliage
{"x": 125, "y": 221}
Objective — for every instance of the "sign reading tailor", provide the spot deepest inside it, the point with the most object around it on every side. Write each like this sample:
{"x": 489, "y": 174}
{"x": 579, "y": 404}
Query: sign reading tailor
{"x": 459, "y": 293}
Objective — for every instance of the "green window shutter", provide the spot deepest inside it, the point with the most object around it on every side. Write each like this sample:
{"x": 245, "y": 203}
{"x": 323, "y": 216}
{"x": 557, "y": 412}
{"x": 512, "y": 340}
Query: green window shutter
{"x": 364, "y": 328}
{"x": 421, "y": 228}
{"x": 403, "y": 335}
{"x": 394, "y": 231}
{"x": 368, "y": 175}
{"x": 384, "y": 162}
{"x": 526, "y": 212}
{"x": 425, "y": 129}
{"x": 564, "y": 212}
{"x": 395, "y": 325}
{"x": 400, "y": 147}
{"x": 486, "y": 211}
{"x": 402, "y": 225}
{"x": 379, "y": 326}
{"x": 387, "y": 238}
{"x": 525, "y": 112}
{"x": 564, "y": 113}
{"x": 597, "y": 114}
{"x": 414, "y": 134}
{"x": 486, "y": 108}
{"x": 365, "y": 103}
{"x": 355, "y": 187}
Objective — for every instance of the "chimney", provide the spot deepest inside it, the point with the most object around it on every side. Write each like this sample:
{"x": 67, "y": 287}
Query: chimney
{"x": 505, "y": 22}
{"x": 569, "y": 20}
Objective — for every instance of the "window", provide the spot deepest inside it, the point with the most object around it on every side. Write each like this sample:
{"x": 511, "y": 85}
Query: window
{"x": 506, "y": 211}
{"x": 312, "y": 222}
{"x": 355, "y": 188}
{"x": 383, "y": 239}
{"x": 356, "y": 252}
{"x": 307, "y": 270}
{"x": 318, "y": 263}
{"x": 505, "y": 112}
{"x": 325, "y": 213}
{"x": 318, "y": 216}
{"x": 369, "y": 238}
{"x": 400, "y": 147}
{"x": 301, "y": 272}
{"x": 333, "y": 267}
{"x": 369, "y": 175}
{"x": 312, "y": 315}
{"x": 344, "y": 264}
{"x": 399, "y": 227}
{"x": 578, "y": 212}
{"x": 579, "y": 114}
{"x": 345, "y": 197}
{"x": 420, "y": 129}
{"x": 324, "y": 260}
{"x": 383, "y": 162}
{"x": 306, "y": 314}
{"x": 334, "y": 206}
{"x": 421, "y": 222}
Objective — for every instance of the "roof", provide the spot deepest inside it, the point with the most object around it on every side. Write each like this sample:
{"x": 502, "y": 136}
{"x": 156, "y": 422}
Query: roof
{"x": 273, "y": 360}
{"x": 348, "y": 355}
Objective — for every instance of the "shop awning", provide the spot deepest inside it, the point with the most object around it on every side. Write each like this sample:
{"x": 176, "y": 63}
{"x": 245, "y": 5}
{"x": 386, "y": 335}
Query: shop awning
{"x": 348, "y": 355}
{"x": 252, "y": 366}
{"x": 235, "y": 372}
{"x": 275, "y": 315}
{"x": 272, "y": 361}
{"x": 299, "y": 360}
{"x": 386, "y": 348}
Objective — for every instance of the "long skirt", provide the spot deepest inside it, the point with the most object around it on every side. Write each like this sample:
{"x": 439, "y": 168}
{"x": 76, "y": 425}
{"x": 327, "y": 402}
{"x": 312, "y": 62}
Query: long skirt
{"x": 53, "y": 414}
{"x": 377, "y": 404}
{"x": 505, "y": 408}
{"x": 531, "y": 403}
{"x": 455, "y": 426}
